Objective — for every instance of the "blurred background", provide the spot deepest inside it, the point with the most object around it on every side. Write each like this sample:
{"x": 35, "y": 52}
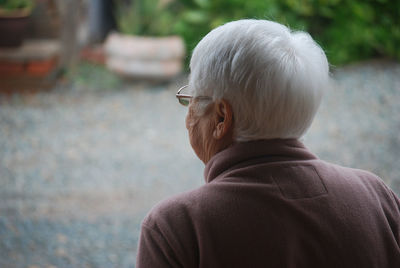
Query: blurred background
{"x": 92, "y": 136}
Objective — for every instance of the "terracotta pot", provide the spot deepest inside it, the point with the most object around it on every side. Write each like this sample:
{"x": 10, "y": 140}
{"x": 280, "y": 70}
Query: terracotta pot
{"x": 13, "y": 26}
{"x": 145, "y": 57}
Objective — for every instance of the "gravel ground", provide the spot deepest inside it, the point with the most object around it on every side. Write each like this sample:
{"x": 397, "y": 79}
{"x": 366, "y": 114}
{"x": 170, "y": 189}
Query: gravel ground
{"x": 80, "y": 167}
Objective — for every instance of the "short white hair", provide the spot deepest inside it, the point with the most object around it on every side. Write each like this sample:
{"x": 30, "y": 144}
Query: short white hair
{"x": 273, "y": 77}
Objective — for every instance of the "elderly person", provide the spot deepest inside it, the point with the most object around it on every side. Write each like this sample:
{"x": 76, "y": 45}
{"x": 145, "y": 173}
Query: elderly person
{"x": 254, "y": 89}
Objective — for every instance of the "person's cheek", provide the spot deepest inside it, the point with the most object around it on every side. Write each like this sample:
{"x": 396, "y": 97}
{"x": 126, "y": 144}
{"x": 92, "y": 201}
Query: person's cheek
{"x": 187, "y": 121}
{"x": 189, "y": 118}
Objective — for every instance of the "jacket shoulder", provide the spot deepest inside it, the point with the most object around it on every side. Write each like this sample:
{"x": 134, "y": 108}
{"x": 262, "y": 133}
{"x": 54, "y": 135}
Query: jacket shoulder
{"x": 176, "y": 208}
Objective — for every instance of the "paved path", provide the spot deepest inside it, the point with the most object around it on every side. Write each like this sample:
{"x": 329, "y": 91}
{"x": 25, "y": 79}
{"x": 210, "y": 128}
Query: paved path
{"x": 80, "y": 168}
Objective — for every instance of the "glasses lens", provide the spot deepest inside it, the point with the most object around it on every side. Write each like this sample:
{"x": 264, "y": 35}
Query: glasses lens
{"x": 184, "y": 101}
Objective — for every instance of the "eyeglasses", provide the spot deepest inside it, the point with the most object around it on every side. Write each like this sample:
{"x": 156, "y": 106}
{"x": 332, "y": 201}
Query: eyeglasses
{"x": 184, "y": 99}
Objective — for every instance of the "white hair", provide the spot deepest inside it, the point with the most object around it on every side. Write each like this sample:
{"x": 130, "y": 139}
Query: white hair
{"x": 273, "y": 78}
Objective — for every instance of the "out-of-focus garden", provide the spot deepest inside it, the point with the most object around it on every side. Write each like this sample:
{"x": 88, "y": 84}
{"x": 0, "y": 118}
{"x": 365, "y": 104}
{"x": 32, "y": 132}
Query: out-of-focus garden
{"x": 348, "y": 30}
{"x": 91, "y": 135}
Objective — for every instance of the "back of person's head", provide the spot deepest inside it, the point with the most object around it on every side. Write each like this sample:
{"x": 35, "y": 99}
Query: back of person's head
{"x": 273, "y": 78}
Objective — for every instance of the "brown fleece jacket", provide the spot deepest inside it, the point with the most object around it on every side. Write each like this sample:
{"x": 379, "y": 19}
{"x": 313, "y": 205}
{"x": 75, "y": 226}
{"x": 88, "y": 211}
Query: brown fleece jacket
{"x": 273, "y": 203}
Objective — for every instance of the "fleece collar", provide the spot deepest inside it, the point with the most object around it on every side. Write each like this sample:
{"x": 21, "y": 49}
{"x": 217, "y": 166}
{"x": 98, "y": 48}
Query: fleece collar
{"x": 253, "y": 152}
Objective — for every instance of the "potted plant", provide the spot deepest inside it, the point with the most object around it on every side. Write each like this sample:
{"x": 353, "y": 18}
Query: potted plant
{"x": 145, "y": 46}
{"x": 14, "y": 19}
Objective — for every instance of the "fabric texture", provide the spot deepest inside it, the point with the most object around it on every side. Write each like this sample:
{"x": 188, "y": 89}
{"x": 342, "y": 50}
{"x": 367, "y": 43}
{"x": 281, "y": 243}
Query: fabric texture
{"x": 274, "y": 204}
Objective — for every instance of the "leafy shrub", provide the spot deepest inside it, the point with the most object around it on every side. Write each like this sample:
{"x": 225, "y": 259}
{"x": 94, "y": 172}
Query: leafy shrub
{"x": 146, "y": 17}
{"x": 348, "y": 30}
{"x": 16, "y": 4}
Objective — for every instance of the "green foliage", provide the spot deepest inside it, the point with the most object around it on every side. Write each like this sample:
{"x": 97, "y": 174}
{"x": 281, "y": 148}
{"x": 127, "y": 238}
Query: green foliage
{"x": 348, "y": 30}
{"x": 354, "y": 30}
{"x": 16, "y": 4}
{"x": 146, "y": 17}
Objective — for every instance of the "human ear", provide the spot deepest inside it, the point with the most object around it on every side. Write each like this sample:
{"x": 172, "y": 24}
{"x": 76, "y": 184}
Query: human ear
{"x": 224, "y": 119}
